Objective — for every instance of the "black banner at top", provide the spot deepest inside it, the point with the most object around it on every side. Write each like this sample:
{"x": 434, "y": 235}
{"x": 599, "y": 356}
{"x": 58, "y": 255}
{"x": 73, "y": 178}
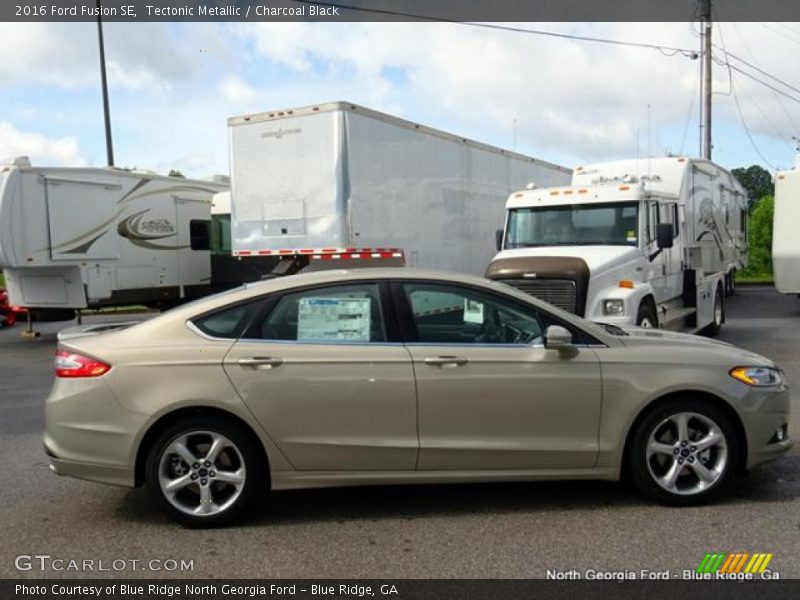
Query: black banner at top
{"x": 399, "y": 10}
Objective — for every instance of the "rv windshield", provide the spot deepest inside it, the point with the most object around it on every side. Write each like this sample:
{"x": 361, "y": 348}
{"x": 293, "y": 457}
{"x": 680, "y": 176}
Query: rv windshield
{"x": 611, "y": 224}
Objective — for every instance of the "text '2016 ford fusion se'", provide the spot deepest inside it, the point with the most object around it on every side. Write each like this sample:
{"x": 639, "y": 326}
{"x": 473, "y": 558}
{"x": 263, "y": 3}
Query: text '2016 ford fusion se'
{"x": 380, "y": 376}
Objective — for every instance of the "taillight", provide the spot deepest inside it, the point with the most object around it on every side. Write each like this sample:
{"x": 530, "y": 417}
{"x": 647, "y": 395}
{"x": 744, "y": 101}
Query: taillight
{"x": 69, "y": 364}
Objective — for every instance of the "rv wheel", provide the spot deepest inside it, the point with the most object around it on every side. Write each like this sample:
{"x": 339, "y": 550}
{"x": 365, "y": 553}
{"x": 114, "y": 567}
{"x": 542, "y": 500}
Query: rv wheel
{"x": 718, "y": 317}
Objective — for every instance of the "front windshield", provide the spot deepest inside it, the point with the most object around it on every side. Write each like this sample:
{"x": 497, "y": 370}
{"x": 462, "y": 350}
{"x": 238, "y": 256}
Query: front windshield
{"x": 615, "y": 224}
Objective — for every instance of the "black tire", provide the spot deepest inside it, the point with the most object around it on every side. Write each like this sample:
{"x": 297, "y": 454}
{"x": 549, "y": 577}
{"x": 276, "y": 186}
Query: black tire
{"x": 643, "y": 468}
{"x": 256, "y": 471}
{"x": 646, "y": 314}
{"x": 732, "y": 285}
{"x": 718, "y": 317}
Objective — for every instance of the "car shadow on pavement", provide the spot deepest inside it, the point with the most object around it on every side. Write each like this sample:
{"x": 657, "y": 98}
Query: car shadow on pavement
{"x": 773, "y": 483}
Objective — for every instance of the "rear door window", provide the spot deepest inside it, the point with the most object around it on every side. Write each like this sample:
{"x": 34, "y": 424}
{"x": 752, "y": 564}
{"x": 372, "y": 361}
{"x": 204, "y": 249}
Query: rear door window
{"x": 336, "y": 314}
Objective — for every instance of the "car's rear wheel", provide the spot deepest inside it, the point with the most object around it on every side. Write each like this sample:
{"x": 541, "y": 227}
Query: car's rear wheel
{"x": 204, "y": 472}
{"x": 684, "y": 452}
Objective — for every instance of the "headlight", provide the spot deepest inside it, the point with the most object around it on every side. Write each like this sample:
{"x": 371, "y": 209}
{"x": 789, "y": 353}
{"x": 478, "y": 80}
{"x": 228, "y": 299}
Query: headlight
{"x": 613, "y": 307}
{"x": 758, "y": 376}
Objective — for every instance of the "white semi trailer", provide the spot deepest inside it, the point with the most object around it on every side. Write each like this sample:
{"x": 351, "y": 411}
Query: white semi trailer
{"x": 654, "y": 243}
{"x": 785, "y": 238}
{"x": 75, "y": 238}
{"x": 338, "y": 183}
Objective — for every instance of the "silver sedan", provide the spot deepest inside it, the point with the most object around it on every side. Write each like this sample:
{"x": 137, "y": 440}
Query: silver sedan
{"x": 386, "y": 376}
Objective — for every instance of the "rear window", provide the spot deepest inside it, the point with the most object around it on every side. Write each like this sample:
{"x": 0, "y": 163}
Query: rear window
{"x": 227, "y": 322}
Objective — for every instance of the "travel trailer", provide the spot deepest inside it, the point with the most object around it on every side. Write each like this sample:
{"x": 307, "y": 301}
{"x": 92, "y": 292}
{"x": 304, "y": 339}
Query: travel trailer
{"x": 76, "y": 238}
{"x": 339, "y": 184}
{"x": 651, "y": 242}
{"x": 785, "y": 240}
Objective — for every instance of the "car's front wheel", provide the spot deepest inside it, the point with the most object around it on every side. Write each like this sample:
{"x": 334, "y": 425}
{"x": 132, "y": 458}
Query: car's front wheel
{"x": 204, "y": 472}
{"x": 683, "y": 452}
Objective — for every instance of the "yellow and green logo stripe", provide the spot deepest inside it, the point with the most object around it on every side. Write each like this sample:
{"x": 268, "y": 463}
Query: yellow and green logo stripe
{"x": 737, "y": 562}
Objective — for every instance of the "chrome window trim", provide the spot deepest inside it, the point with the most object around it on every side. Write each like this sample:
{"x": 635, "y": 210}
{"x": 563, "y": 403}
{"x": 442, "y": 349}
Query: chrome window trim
{"x": 195, "y": 329}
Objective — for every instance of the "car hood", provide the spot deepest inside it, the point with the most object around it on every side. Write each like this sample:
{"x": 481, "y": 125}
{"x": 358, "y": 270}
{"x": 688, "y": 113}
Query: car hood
{"x": 597, "y": 258}
{"x": 642, "y": 337}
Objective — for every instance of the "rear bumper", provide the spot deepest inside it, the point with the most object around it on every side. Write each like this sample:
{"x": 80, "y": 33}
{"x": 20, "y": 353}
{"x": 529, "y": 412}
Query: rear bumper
{"x": 89, "y": 434}
{"x": 91, "y": 472}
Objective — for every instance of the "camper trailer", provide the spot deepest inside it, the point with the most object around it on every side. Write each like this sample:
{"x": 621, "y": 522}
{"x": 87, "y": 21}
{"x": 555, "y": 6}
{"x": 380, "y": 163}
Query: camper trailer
{"x": 342, "y": 185}
{"x": 652, "y": 242}
{"x": 75, "y": 238}
{"x": 785, "y": 241}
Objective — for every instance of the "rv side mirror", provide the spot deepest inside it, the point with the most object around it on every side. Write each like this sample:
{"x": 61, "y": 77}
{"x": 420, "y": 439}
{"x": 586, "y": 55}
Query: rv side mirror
{"x": 559, "y": 338}
{"x": 498, "y": 239}
{"x": 664, "y": 236}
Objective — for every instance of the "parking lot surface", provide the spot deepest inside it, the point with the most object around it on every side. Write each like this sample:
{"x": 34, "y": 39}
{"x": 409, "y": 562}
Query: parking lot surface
{"x": 487, "y": 530}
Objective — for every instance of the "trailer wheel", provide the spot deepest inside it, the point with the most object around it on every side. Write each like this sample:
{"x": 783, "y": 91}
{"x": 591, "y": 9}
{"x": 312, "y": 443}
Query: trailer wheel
{"x": 732, "y": 283}
{"x": 646, "y": 317}
{"x": 719, "y": 314}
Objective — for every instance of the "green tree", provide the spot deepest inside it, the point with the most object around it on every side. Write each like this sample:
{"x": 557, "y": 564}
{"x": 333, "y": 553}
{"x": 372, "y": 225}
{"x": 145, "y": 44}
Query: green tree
{"x": 176, "y": 173}
{"x": 759, "y": 253}
{"x": 756, "y": 180}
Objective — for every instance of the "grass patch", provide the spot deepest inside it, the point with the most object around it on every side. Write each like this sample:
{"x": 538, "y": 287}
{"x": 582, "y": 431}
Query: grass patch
{"x": 754, "y": 278}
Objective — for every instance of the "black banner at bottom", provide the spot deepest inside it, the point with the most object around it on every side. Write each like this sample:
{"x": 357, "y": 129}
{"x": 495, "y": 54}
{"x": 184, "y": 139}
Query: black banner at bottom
{"x": 401, "y": 589}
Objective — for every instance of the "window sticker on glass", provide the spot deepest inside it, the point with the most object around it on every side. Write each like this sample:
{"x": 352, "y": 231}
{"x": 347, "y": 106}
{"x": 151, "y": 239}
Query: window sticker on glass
{"x": 333, "y": 319}
{"x": 631, "y": 236}
{"x": 473, "y": 311}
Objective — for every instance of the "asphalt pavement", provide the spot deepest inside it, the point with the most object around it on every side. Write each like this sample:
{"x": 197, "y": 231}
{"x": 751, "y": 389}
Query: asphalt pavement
{"x": 433, "y": 531}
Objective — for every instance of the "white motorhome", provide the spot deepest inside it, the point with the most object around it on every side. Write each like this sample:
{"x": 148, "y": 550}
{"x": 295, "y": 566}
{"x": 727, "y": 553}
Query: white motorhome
{"x": 74, "y": 238}
{"x": 785, "y": 239}
{"x": 651, "y": 242}
{"x": 325, "y": 184}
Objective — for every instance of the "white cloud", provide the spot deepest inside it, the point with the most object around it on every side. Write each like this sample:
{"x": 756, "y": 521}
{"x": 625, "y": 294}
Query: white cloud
{"x": 41, "y": 149}
{"x": 66, "y": 54}
{"x": 238, "y": 94}
{"x": 583, "y": 99}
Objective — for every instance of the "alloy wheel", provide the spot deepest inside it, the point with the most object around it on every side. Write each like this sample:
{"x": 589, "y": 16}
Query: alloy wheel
{"x": 687, "y": 453}
{"x": 201, "y": 473}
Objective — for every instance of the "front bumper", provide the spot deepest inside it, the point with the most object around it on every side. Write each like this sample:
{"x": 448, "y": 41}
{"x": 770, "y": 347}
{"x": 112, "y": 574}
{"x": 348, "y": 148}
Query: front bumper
{"x": 764, "y": 412}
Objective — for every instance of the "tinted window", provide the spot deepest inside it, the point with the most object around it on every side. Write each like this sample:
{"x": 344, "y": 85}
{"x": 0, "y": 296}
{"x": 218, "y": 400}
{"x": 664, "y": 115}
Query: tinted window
{"x": 344, "y": 314}
{"x": 200, "y": 235}
{"x": 227, "y": 322}
{"x": 454, "y": 315}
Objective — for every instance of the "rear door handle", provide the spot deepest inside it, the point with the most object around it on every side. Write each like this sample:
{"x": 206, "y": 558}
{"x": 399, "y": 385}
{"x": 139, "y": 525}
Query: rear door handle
{"x": 260, "y": 362}
{"x": 446, "y": 361}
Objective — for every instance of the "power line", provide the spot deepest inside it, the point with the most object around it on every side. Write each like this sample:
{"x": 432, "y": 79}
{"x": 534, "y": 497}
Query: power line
{"x": 747, "y": 130}
{"x": 666, "y": 50}
{"x": 779, "y": 100}
{"x": 765, "y": 84}
{"x": 730, "y": 79}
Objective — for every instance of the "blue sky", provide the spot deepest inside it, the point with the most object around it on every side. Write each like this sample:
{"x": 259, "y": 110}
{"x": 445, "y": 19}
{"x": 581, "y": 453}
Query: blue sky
{"x": 174, "y": 85}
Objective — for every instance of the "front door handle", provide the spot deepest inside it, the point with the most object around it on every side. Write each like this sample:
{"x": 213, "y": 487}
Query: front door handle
{"x": 446, "y": 361}
{"x": 260, "y": 362}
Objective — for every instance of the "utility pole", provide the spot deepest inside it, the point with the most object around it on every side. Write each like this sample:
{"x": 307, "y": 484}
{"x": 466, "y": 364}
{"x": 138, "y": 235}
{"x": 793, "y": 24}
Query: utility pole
{"x": 104, "y": 82}
{"x": 705, "y": 7}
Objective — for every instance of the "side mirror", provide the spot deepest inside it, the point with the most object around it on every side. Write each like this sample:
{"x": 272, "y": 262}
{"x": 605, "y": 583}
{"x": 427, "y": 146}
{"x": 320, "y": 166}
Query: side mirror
{"x": 559, "y": 338}
{"x": 498, "y": 239}
{"x": 664, "y": 236}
